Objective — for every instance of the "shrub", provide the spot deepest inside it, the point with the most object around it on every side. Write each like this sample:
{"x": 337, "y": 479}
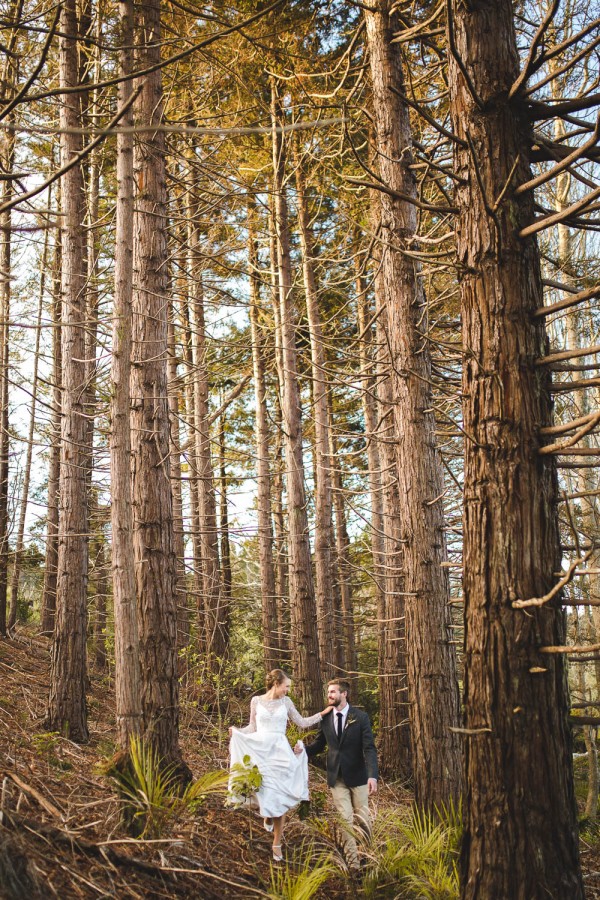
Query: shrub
{"x": 151, "y": 792}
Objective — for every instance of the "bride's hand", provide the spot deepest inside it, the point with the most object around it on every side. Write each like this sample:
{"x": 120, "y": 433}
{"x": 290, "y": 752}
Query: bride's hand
{"x": 230, "y": 730}
{"x": 326, "y": 711}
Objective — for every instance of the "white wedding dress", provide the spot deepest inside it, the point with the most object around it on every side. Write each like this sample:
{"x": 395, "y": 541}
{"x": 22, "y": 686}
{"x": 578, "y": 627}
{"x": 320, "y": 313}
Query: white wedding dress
{"x": 284, "y": 774}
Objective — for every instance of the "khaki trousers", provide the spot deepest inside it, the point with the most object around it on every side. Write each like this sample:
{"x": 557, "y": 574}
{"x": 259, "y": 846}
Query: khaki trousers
{"x": 353, "y": 807}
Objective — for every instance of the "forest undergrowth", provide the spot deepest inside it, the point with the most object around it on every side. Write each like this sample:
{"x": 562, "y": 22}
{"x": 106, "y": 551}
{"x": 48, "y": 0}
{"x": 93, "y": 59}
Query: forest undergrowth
{"x": 62, "y": 833}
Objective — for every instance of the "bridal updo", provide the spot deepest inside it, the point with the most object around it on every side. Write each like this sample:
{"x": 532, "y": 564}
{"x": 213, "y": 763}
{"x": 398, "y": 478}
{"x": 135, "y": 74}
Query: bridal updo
{"x": 275, "y": 677}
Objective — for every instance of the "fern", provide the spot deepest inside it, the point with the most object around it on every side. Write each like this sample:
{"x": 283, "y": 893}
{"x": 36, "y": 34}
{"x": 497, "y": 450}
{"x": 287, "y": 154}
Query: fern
{"x": 415, "y": 857}
{"x": 303, "y": 877}
{"x": 151, "y": 792}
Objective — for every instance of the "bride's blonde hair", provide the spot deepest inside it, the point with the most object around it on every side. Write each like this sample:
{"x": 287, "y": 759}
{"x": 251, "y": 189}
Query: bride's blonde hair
{"x": 276, "y": 676}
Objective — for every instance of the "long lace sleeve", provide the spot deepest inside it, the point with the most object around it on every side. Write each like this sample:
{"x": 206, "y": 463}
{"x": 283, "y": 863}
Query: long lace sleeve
{"x": 252, "y": 724}
{"x": 299, "y": 720}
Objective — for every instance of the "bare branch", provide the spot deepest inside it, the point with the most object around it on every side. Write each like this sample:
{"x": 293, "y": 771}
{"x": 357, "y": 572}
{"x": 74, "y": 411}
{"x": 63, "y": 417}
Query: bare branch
{"x": 573, "y": 353}
{"x": 541, "y": 601}
{"x": 564, "y": 164}
{"x": 567, "y": 302}
{"x": 530, "y": 63}
{"x": 554, "y": 219}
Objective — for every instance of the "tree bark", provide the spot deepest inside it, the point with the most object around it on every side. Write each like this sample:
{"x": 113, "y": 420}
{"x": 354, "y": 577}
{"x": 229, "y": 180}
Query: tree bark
{"x": 390, "y": 754}
{"x": 520, "y": 828}
{"x": 183, "y": 613}
{"x": 304, "y": 638}
{"x": 102, "y": 582}
{"x": 394, "y": 696}
{"x": 343, "y": 572}
{"x": 189, "y": 393}
{"x": 51, "y": 561}
{"x": 215, "y": 610}
{"x": 225, "y": 543}
{"x": 269, "y": 601}
{"x": 20, "y": 541}
{"x": 68, "y": 673}
{"x": 127, "y": 645}
{"x": 279, "y": 530}
{"x": 327, "y": 626}
{"x": 152, "y": 497}
{"x": 7, "y": 153}
{"x": 431, "y": 662}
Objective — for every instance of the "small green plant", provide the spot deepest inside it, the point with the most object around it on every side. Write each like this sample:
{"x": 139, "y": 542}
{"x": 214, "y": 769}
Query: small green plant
{"x": 295, "y": 734}
{"x": 415, "y": 856}
{"x": 315, "y": 807}
{"x": 196, "y": 793}
{"x": 47, "y": 744}
{"x": 244, "y": 781}
{"x": 303, "y": 877}
{"x": 152, "y": 792}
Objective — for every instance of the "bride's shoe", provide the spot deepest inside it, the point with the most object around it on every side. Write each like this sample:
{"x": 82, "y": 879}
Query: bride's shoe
{"x": 277, "y": 852}
{"x": 268, "y": 823}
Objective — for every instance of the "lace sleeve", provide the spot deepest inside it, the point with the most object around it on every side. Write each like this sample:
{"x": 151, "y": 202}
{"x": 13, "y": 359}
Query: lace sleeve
{"x": 299, "y": 720}
{"x": 252, "y": 724}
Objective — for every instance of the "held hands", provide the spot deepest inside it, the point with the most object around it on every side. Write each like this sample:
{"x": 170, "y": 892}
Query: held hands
{"x": 372, "y": 786}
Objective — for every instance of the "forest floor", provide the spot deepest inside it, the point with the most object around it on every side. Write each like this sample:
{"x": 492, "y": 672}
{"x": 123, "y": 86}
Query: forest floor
{"x": 61, "y": 833}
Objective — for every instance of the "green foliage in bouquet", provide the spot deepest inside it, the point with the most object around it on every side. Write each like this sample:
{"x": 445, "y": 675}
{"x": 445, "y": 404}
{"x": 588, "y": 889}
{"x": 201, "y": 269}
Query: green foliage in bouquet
{"x": 244, "y": 781}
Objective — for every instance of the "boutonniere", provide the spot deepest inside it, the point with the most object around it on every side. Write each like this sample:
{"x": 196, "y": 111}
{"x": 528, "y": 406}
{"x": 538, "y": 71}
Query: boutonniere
{"x": 350, "y": 722}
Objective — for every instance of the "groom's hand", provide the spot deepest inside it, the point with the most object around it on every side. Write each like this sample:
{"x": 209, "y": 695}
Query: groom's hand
{"x": 372, "y": 786}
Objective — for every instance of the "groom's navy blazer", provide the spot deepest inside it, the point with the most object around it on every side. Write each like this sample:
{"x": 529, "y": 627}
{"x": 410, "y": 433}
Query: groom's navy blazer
{"x": 354, "y": 757}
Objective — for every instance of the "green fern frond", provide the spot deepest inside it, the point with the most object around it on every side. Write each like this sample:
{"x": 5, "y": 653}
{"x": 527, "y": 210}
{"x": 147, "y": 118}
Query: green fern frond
{"x": 207, "y": 784}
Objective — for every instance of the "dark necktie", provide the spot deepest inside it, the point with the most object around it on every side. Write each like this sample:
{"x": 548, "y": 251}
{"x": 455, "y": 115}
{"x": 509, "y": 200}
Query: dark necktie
{"x": 339, "y": 729}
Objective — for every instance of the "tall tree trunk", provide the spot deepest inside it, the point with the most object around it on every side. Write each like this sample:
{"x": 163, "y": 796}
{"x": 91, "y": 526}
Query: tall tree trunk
{"x": 329, "y": 649}
{"x": 304, "y": 638}
{"x": 271, "y": 652}
{"x": 390, "y": 715}
{"x": 20, "y": 541}
{"x": 93, "y": 63}
{"x": 127, "y": 645}
{"x": 279, "y": 530}
{"x": 343, "y": 576}
{"x": 8, "y": 85}
{"x": 152, "y": 497}
{"x": 394, "y": 730}
{"x": 5, "y": 297}
{"x": 51, "y": 562}
{"x": 394, "y": 699}
{"x": 183, "y": 614}
{"x": 216, "y": 624}
{"x": 518, "y": 743}
{"x": 68, "y": 673}
{"x": 190, "y": 392}
{"x": 224, "y": 523}
{"x": 102, "y": 582}
{"x": 281, "y": 544}
{"x": 431, "y": 662}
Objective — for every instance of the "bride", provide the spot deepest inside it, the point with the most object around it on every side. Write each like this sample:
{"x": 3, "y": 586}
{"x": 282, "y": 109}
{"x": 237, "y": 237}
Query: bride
{"x": 284, "y": 775}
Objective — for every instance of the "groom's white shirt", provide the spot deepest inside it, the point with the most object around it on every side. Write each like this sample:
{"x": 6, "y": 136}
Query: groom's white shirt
{"x": 344, "y": 713}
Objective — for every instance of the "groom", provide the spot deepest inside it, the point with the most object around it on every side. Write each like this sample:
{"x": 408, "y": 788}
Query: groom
{"x": 351, "y": 761}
